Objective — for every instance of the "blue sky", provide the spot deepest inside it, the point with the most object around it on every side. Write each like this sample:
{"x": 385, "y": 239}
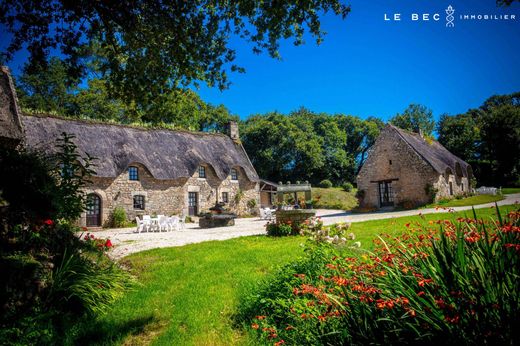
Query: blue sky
{"x": 368, "y": 66}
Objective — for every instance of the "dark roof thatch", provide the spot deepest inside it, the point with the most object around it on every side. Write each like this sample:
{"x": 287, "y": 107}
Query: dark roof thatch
{"x": 10, "y": 126}
{"x": 434, "y": 153}
{"x": 167, "y": 154}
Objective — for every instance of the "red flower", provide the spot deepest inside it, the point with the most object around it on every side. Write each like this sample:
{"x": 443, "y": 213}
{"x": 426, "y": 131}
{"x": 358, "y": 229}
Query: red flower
{"x": 108, "y": 243}
{"x": 281, "y": 342}
{"x": 255, "y": 326}
{"x": 48, "y": 222}
{"x": 421, "y": 293}
{"x": 260, "y": 318}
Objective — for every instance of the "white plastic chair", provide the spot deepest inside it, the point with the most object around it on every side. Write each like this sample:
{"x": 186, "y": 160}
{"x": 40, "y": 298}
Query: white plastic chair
{"x": 142, "y": 225}
{"x": 164, "y": 224}
{"x": 182, "y": 222}
{"x": 174, "y": 223}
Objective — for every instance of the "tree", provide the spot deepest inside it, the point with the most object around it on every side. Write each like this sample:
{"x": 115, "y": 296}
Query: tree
{"x": 505, "y": 2}
{"x": 488, "y": 138}
{"x": 47, "y": 87}
{"x": 150, "y": 47}
{"x": 414, "y": 118}
{"x": 460, "y": 134}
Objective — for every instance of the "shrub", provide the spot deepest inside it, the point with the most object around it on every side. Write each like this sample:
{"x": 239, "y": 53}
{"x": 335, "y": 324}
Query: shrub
{"x": 251, "y": 204}
{"x": 455, "y": 283}
{"x": 326, "y": 183}
{"x": 347, "y": 187}
{"x": 119, "y": 218}
{"x": 280, "y": 229}
{"x": 50, "y": 277}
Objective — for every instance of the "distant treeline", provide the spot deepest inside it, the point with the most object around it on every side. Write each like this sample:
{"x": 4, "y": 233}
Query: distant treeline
{"x": 302, "y": 145}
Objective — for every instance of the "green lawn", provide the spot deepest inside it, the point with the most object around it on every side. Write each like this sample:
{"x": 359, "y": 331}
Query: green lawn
{"x": 472, "y": 200}
{"x": 188, "y": 294}
{"x": 334, "y": 198}
{"x": 510, "y": 190}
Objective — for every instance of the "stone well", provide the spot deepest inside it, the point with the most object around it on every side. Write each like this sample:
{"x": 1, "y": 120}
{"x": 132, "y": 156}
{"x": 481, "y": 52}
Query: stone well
{"x": 296, "y": 216}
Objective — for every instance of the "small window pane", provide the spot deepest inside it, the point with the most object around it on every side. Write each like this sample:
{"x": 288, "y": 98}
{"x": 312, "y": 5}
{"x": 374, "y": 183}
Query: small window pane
{"x": 225, "y": 197}
{"x": 139, "y": 202}
{"x": 133, "y": 173}
{"x": 234, "y": 174}
{"x": 202, "y": 172}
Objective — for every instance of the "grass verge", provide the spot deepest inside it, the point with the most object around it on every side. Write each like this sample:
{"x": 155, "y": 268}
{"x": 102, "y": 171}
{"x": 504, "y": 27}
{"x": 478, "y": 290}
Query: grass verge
{"x": 188, "y": 294}
{"x": 472, "y": 200}
{"x": 510, "y": 190}
{"x": 334, "y": 198}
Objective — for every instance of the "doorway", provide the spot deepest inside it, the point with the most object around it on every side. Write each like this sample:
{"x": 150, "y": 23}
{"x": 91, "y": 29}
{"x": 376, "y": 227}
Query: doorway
{"x": 93, "y": 210}
{"x": 386, "y": 195}
{"x": 193, "y": 198}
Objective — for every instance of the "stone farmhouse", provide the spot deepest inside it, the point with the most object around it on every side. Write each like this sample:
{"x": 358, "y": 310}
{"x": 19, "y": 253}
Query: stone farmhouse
{"x": 405, "y": 168}
{"x": 141, "y": 170}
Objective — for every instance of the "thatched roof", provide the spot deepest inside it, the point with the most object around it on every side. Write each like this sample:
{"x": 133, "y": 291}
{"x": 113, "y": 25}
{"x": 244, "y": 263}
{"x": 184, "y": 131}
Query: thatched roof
{"x": 440, "y": 158}
{"x": 167, "y": 154}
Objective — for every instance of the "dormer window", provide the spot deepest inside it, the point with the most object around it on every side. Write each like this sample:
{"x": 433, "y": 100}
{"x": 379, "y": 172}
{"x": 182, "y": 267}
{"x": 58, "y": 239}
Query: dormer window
{"x": 234, "y": 174}
{"x": 202, "y": 172}
{"x": 133, "y": 173}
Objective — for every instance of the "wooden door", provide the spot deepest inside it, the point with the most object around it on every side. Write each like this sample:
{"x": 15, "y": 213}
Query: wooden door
{"x": 93, "y": 210}
{"x": 193, "y": 198}
{"x": 386, "y": 197}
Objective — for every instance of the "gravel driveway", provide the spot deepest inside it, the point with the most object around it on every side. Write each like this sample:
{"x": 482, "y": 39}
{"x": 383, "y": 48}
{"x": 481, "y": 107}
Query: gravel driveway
{"x": 126, "y": 241}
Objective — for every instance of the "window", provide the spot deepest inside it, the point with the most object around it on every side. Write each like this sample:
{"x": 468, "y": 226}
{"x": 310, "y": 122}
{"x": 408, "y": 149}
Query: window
{"x": 139, "y": 202}
{"x": 234, "y": 174}
{"x": 225, "y": 197}
{"x": 390, "y": 162}
{"x": 202, "y": 172}
{"x": 133, "y": 173}
{"x": 451, "y": 188}
{"x": 462, "y": 187}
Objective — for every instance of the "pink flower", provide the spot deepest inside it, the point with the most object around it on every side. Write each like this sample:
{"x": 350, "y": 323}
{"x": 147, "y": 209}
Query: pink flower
{"x": 108, "y": 243}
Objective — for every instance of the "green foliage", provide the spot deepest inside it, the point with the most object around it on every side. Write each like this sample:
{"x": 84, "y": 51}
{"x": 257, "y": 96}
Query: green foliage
{"x": 86, "y": 284}
{"x": 483, "y": 137}
{"x": 48, "y": 89}
{"x": 147, "y": 49}
{"x": 251, "y": 204}
{"x": 280, "y": 229}
{"x": 347, "y": 187}
{"x": 119, "y": 218}
{"x": 455, "y": 282}
{"x": 308, "y": 146}
{"x": 414, "y": 118}
{"x": 49, "y": 276}
{"x": 325, "y": 184}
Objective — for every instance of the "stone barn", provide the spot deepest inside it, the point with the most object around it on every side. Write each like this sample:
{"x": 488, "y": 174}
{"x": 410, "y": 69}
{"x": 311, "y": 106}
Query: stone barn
{"x": 141, "y": 170}
{"x": 408, "y": 169}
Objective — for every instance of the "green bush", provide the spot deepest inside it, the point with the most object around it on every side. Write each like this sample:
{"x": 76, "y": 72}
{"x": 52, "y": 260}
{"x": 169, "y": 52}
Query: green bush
{"x": 280, "y": 229}
{"x": 119, "y": 218}
{"x": 50, "y": 277}
{"x": 347, "y": 187}
{"x": 326, "y": 184}
{"x": 453, "y": 284}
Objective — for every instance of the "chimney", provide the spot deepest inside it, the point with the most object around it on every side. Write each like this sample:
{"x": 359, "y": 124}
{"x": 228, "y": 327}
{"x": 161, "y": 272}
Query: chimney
{"x": 232, "y": 130}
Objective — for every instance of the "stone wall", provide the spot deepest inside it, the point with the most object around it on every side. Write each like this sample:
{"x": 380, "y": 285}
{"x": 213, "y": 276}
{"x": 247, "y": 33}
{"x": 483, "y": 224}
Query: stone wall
{"x": 11, "y": 131}
{"x": 391, "y": 158}
{"x": 169, "y": 197}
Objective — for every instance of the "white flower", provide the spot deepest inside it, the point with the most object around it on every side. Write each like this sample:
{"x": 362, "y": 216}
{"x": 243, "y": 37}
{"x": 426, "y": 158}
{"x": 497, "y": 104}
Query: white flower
{"x": 357, "y": 244}
{"x": 351, "y": 236}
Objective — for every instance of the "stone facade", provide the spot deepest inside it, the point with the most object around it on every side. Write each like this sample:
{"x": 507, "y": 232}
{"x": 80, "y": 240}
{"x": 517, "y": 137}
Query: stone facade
{"x": 396, "y": 173}
{"x": 170, "y": 197}
{"x": 11, "y": 131}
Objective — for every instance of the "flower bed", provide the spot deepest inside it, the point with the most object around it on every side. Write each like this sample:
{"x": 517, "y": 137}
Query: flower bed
{"x": 452, "y": 282}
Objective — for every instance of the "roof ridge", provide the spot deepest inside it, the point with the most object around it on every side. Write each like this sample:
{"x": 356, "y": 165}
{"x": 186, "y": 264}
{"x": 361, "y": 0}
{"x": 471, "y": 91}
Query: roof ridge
{"x": 89, "y": 121}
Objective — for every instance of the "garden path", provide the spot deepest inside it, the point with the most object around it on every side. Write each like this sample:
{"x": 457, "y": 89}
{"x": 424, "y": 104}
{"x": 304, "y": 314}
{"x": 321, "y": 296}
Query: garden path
{"x": 126, "y": 242}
